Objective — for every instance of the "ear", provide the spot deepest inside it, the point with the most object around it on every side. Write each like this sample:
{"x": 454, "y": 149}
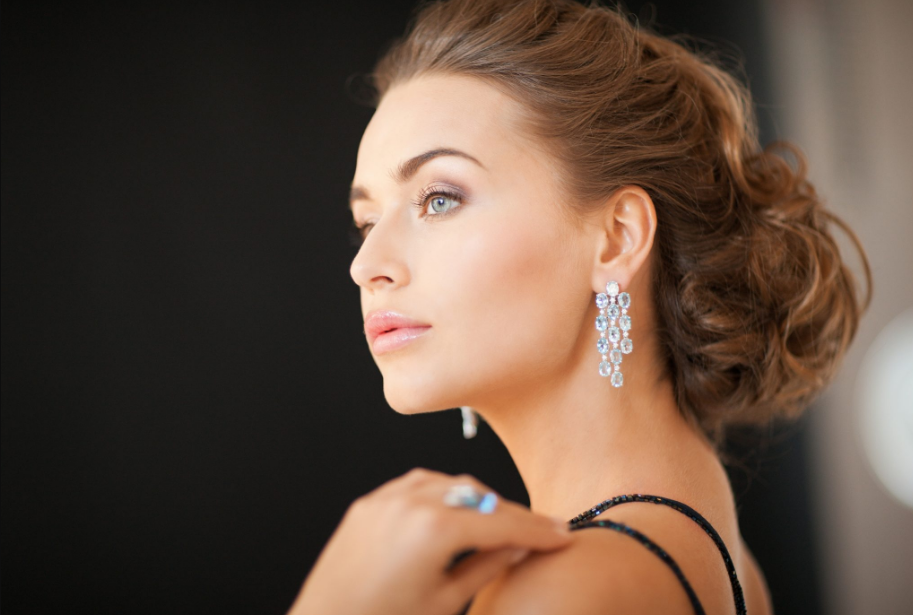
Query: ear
{"x": 626, "y": 229}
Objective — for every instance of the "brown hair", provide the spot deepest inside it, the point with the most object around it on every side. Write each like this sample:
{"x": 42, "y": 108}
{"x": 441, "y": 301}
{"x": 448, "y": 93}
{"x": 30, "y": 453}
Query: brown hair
{"x": 755, "y": 307}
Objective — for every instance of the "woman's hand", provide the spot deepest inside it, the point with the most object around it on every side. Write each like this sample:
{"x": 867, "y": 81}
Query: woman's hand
{"x": 394, "y": 546}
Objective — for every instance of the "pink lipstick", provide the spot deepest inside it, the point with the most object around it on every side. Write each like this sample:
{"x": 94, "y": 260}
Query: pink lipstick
{"x": 388, "y": 331}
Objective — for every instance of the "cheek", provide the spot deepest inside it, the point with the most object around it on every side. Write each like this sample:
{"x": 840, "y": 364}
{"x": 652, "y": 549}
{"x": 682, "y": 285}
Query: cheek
{"x": 513, "y": 297}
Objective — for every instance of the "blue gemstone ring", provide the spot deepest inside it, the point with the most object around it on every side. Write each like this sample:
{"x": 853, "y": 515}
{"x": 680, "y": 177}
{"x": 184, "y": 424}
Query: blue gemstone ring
{"x": 467, "y": 496}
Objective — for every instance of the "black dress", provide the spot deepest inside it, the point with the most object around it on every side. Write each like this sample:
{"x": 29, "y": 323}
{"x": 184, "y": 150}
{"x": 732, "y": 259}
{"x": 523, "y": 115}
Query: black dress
{"x": 586, "y": 520}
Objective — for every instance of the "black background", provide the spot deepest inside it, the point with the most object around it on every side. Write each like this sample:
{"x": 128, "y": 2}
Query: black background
{"x": 188, "y": 402}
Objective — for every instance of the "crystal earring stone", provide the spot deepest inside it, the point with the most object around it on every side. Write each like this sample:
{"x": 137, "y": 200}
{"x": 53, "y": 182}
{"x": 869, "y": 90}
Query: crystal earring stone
{"x": 613, "y": 324}
{"x": 627, "y": 345}
{"x": 614, "y": 334}
{"x": 470, "y": 421}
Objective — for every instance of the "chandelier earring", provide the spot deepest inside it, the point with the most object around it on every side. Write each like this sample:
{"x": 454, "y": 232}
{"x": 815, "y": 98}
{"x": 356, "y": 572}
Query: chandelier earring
{"x": 613, "y": 324}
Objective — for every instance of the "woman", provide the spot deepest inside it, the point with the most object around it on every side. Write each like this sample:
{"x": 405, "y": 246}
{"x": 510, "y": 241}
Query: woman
{"x": 570, "y": 228}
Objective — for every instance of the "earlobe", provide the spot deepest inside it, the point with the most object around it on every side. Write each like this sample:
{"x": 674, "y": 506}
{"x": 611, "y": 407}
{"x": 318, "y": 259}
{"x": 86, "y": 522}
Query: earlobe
{"x": 626, "y": 236}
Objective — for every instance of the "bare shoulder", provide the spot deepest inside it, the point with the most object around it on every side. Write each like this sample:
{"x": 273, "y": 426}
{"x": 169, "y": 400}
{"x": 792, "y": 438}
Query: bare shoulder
{"x": 599, "y": 567}
{"x": 757, "y": 594}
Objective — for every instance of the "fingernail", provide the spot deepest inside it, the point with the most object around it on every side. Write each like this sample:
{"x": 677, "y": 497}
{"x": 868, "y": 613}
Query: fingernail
{"x": 518, "y": 555}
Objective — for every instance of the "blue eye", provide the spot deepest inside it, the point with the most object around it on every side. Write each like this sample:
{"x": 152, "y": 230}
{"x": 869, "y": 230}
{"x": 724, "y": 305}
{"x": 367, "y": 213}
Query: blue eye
{"x": 358, "y": 233}
{"x": 438, "y": 199}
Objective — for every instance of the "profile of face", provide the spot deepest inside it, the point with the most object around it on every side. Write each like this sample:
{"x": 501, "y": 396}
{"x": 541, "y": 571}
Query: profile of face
{"x": 477, "y": 246}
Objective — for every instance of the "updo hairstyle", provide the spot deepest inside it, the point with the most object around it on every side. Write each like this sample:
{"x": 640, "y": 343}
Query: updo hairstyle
{"x": 755, "y": 306}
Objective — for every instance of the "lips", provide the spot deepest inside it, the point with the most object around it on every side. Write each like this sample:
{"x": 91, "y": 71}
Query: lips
{"x": 382, "y": 322}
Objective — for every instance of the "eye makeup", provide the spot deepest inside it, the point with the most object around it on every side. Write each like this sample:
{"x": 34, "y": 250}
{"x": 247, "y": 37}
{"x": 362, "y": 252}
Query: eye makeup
{"x": 359, "y": 232}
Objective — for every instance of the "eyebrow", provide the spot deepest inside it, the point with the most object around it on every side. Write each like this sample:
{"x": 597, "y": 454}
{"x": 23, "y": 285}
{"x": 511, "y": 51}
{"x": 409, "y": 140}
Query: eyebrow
{"x": 407, "y": 169}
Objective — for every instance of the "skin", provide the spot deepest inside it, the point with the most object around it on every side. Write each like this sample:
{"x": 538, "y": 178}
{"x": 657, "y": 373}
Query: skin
{"x": 507, "y": 282}
{"x": 390, "y": 553}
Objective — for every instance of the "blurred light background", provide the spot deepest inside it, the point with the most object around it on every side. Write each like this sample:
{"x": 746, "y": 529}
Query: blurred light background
{"x": 188, "y": 402}
{"x": 842, "y": 82}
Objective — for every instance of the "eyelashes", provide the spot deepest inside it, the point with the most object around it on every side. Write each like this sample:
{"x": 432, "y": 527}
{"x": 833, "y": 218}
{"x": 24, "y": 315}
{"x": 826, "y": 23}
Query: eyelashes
{"x": 358, "y": 233}
{"x": 431, "y": 191}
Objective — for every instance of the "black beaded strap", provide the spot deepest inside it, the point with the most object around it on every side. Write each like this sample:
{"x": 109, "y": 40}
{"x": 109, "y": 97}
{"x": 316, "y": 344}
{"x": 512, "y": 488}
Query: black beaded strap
{"x": 582, "y": 520}
{"x": 630, "y": 531}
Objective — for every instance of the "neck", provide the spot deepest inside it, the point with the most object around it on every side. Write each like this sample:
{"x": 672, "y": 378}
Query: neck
{"x": 577, "y": 440}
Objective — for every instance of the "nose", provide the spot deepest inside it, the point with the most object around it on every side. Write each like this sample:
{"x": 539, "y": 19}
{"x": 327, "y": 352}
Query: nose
{"x": 380, "y": 261}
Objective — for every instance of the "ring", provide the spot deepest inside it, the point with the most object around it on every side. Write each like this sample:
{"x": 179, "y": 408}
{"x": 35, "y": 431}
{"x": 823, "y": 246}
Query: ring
{"x": 467, "y": 496}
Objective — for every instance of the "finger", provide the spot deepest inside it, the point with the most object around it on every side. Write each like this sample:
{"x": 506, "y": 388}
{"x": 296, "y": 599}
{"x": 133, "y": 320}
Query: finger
{"x": 422, "y": 484}
{"x": 414, "y": 478}
{"x": 470, "y": 575}
{"x": 513, "y": 525}
{"x": 510, "y": 524}
{"x": 406, "y": 482}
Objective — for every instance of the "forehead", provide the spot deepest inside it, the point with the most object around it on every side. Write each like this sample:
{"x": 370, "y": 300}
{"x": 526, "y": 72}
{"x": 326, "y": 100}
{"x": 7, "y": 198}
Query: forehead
{"x": 438, "y": 111}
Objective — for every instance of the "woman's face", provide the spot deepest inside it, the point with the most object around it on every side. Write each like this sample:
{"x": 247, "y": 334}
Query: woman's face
{"x": 488, "y": 260}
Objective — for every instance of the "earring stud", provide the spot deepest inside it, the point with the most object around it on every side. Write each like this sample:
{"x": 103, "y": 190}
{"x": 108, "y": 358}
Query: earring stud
{"x": 613, "y": 324}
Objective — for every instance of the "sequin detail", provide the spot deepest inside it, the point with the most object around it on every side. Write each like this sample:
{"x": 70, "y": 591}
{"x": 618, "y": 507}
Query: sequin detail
{"x": 585, "y": 519}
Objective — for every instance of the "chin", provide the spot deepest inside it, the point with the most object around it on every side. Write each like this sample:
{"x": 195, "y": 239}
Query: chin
{"x": 413, "y": 405}
{"x": 412, "y": 398}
